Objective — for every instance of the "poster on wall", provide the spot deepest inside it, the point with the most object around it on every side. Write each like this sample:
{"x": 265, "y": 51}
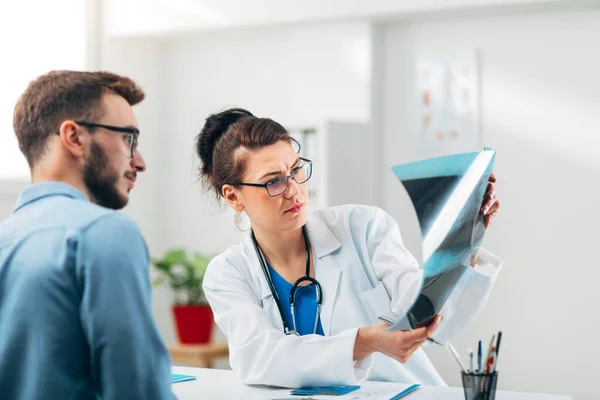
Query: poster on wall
{"x": 448, "y": 97}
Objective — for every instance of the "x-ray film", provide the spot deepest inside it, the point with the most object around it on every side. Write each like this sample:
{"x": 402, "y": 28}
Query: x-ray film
{"x": 447, "y": 193}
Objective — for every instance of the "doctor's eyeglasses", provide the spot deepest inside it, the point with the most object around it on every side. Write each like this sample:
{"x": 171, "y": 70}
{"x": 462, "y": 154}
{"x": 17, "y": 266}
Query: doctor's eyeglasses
{"x": 280, "y": 183}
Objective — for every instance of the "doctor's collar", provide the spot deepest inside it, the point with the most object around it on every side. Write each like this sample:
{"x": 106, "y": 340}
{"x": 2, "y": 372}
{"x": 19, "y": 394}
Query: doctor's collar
{"x": 322, "y": 240}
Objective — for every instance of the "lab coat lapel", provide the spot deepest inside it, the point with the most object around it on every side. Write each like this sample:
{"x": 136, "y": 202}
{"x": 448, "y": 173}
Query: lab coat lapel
{"x": 324, "y": 243}
{"x": 267, "y": 301}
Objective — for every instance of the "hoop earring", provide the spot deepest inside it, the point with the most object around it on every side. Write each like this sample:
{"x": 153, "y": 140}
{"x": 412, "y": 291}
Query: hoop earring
{"x": 238, "y": 222}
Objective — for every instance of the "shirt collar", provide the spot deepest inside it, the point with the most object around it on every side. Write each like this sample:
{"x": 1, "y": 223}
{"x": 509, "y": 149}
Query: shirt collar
{"x": 322, "y": 240}
{"x": 37, "y": 191}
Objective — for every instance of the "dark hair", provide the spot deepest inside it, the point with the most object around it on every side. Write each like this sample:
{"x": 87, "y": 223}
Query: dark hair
{"x": 223, "y": 134}
{"x": 64, "y": 95}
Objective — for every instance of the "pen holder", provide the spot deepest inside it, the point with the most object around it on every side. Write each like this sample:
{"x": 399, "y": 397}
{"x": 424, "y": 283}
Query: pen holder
{"x": 480, "y": 386}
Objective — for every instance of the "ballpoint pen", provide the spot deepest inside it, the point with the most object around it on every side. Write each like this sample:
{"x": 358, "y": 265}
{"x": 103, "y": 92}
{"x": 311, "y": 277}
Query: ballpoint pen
{"x": 454, "y": 353}
{"x": 497, "y": 351}
{"x": 447, "y": 345}
{"x": 489, "y": 353}
{"x": 490, "y": 361}
{"x": 470, "y": 352}
{"x": 479, "y": 357}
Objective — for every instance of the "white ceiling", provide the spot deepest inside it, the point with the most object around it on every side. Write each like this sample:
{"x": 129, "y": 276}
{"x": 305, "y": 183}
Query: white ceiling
{"x": 158, "y": 17}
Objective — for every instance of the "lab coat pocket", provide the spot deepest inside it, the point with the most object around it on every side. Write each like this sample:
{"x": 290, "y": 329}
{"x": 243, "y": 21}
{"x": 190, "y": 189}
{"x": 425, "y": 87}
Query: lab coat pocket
{"x": 377, "y": 303}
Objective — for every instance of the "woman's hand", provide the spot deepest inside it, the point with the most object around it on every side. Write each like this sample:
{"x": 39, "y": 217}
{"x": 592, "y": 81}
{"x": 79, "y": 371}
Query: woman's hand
{"x": 399, "y": 345}
{"x": 490, "y": 205}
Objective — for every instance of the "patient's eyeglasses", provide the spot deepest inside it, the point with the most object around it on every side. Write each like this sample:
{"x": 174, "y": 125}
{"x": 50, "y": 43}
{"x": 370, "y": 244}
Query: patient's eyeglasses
{"x": 132, "y": 137}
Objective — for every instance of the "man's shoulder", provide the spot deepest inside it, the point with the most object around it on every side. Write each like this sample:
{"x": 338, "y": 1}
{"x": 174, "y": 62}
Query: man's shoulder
{"x": 95, "y": 223}
{"x": 110, "y": 227}
{"x": 115, "y": 242}
{"x": 66, "y": 216}
{"x": 86, "y": 215}
{"x": 101, "y": 229}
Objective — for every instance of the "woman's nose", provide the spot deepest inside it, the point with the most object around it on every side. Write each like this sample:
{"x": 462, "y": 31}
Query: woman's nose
{"x": 292, "y": 189}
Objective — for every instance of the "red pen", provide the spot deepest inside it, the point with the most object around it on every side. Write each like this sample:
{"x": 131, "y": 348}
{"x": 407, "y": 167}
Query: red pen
{"x": 489, "y": 352}
{"x": 490, "y": 362}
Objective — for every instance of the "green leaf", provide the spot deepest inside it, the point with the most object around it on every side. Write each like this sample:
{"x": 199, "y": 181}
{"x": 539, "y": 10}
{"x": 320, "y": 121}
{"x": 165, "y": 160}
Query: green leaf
{"x": 175, "y": 256}
{"x": 183, "y": 274}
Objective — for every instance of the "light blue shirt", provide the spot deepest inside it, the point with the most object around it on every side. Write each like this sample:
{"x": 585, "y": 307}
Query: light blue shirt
{"x": 75, "y": 303}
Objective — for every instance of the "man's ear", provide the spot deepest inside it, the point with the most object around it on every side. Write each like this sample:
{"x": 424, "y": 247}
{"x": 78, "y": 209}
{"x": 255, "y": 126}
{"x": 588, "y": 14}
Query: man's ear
{"x": 71, "y": 138}
{"x": 233, "y": 197}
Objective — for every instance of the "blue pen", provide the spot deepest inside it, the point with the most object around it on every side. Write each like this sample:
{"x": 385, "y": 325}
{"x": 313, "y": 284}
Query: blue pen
{"x": 406, "y": 391}
{"x": 479, "y": 357}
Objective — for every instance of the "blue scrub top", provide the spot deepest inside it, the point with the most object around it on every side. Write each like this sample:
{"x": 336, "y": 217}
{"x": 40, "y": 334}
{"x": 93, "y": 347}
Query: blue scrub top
{"x": 305, "y": 307}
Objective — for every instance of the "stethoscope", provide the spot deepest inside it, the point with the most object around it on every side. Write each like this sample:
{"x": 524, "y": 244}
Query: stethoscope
{"x": 295, "y": 287}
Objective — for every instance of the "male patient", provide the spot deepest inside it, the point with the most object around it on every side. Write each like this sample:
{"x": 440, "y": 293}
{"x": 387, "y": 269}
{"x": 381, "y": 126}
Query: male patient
{"x": 75, "y": 296}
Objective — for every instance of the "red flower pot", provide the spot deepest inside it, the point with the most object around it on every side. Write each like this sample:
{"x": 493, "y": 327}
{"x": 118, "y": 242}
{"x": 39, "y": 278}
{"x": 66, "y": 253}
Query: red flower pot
{"x": 194, "y": 323}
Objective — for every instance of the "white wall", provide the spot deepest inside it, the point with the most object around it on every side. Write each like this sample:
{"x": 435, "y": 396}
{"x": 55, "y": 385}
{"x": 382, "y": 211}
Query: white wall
{"x": 159, "y": 17}
{"x": 29, "y": 53}
{"x": 9, "y": 193}
{"x": 350, "y": 164}
{"x": 298, "y": 76}
{"x": 540, "y": 109}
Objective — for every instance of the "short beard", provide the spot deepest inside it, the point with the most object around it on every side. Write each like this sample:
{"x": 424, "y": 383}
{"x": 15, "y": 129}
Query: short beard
{"x": 100, "y": 181}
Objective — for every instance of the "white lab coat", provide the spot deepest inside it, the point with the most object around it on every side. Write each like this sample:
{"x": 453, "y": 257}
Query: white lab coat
{"x": 364, "y": 271}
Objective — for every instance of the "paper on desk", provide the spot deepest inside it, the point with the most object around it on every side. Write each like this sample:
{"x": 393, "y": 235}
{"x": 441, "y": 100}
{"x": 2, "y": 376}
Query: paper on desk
{"x": 447, "y": 193}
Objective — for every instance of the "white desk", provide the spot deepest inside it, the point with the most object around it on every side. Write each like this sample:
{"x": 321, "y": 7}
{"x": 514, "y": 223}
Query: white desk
{"x": 216, "y": 384}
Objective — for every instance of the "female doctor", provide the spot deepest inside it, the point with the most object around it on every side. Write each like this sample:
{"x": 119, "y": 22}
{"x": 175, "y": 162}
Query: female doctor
{"x": 299, "y": 299}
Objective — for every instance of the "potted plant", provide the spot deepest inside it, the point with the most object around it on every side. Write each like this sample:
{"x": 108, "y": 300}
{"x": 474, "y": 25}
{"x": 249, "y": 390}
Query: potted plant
{"x": 184, "y": 275}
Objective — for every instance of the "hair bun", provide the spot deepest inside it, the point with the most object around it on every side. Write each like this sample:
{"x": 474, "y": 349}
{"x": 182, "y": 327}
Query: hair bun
{"x": 214, "y": 128}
